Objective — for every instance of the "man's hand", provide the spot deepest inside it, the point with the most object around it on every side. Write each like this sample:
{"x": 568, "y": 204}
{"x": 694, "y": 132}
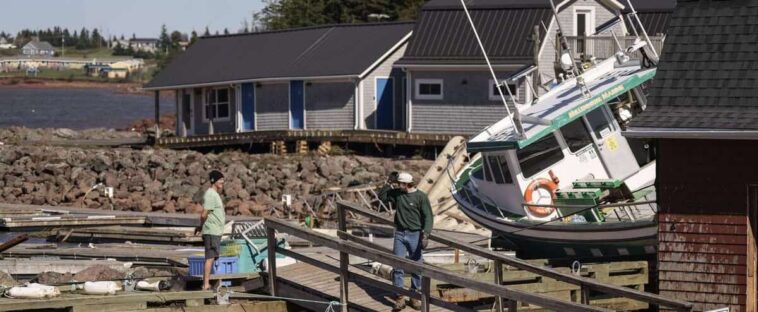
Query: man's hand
{"x": 198, "y": 230}
{"x": 424, "y": 241}
{"x": 392, "y": 178}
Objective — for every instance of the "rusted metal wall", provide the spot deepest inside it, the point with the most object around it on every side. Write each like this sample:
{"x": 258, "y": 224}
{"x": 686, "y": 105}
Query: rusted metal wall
{"x": 703, "y": 196}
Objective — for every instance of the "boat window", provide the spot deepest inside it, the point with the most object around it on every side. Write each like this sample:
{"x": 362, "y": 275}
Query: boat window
{"x": 599, "y": 122}
{"x": 495, "y": 169}
{"x": 576, "y": 135}
{"x": 503, "y": 161}
{"x": 487, "y": 168}
{"x": 539, "y": 155}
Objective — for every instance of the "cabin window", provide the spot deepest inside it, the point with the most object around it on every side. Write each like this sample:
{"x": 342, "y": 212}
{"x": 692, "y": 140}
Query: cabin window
{"x": 495, "y": 96}
{"x": 496, "y": 170}
{"x": 217, "y": 104}
{"x": 576, "y": 135}
{"x": 428, "y": 89}
{"x": 599, "y": 122}
{"x": 539, "y": 155}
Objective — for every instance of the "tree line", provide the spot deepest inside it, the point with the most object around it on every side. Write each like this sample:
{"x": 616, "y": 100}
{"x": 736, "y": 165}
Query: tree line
{"x": 57, "y": 37}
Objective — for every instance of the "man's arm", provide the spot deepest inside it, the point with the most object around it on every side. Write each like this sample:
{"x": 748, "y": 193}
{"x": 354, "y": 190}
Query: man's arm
{"x": 428, "y": 215}
{"x": 385, "y": 195}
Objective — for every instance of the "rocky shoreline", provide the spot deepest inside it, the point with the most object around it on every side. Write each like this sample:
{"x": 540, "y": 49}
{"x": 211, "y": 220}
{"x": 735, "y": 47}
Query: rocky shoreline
{"x": 167, "y": 180}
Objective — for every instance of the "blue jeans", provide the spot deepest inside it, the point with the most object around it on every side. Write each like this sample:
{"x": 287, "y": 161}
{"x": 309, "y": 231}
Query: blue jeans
{"x": 407, "y": 245}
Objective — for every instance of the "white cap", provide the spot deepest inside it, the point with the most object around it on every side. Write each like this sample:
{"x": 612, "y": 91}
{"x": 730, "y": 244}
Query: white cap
{"x": 404, "y": 177}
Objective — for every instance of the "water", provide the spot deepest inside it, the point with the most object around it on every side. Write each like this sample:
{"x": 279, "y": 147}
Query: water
{"x": 75, "y": 108}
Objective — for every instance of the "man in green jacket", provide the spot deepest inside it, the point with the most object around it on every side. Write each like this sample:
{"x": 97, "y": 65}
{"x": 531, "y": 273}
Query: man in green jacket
{"x": 212, "y": 219}
{"x": 413, "y": 224}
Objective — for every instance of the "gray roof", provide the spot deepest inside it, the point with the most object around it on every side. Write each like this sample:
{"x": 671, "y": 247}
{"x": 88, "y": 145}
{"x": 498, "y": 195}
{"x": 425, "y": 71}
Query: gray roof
{"x": 708, "y": 70}
{"x": 335, "y": 50}
{"x": 442, "y": 35}
{"x": 39, "y": 45}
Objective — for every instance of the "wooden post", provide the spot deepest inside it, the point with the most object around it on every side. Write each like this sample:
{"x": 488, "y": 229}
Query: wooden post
{"x": 426, "y": 285}
{"x": 157, "y": 114}
{"x": 585, "y": 294}
{"x": 498, "y": 281}
{"x": 512, "y": 305}
{"x": 344, "y": 262}
{"x": 271, "y": 238}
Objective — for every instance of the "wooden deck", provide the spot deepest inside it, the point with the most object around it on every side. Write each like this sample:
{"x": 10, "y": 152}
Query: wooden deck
{"x": 305, "y": 281}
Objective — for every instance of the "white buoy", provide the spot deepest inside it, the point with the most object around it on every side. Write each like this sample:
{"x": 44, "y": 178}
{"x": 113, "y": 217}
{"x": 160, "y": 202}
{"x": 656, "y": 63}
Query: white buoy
{"x": 101, "y": 288}
{"x": 144, "y": 285}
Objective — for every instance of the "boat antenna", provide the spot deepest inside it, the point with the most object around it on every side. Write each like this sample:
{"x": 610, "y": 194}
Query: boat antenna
{"x": 515, "y": 117}
{"x": 564, "y": 43}
{"x": 633, "y": 13}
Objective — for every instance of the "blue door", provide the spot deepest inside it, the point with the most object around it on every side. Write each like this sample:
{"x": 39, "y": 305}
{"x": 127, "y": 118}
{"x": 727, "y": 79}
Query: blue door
{"x": 384, "y": 102}
{"x": 297, "y": 109}
{"x": 248, "y": 106}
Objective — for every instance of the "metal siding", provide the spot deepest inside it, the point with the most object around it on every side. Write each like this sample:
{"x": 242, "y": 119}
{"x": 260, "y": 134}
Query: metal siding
{"x": 329, "y": 105}
{"x": 602, "y": 15}
{"x": 272, "y": 106}
{"x": 464, "y": 109}
{"x": 201, "y": 125}
{"x": 384, "y": 69}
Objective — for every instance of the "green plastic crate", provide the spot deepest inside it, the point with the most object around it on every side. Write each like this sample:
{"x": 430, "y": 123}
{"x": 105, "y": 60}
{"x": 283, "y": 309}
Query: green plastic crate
{"x": 597, "y": 183}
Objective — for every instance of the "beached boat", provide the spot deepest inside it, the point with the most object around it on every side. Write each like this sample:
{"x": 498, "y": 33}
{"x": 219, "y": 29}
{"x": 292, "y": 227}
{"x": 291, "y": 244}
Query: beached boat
{"x": 556, "y": 179}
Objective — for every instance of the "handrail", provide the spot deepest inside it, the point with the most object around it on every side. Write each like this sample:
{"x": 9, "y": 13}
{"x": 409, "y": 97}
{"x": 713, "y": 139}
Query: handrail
{"x": 547, "y": 272}
{"x": 427, "y": 271}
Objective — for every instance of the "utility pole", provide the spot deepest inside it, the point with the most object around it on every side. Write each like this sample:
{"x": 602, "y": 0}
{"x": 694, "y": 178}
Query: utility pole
{"x": 63, "y": 45}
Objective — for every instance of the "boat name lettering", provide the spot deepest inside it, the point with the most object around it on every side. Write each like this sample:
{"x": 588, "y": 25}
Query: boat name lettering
{"x": 604, "y": 97}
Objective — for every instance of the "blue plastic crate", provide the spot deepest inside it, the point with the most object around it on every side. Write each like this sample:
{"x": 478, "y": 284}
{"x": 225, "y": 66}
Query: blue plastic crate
{"x": 222, "y": 265}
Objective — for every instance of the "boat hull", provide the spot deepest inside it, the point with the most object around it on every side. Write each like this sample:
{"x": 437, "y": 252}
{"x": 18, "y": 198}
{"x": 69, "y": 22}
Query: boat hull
{"x": 533, "y": 240}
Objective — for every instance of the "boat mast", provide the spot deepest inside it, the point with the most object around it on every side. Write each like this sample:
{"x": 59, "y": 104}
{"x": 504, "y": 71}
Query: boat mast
{"x": 633, "y": 13}
{"x": 515, "y": 117}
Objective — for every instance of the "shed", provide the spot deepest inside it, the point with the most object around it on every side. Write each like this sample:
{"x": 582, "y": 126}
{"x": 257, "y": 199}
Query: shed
{"x": 703, "y": 117}
{"x": 325, "y": 77}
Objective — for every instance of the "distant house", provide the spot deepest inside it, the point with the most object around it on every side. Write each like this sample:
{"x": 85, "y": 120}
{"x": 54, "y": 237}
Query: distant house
{"x": 144, "y": 44}
{"x": 326, "y": 77}
{"x": 36, "y": 47}
{"x": 120, "y": 42}
{"x": 450, "y": 89}
{"x": 702, "y": 113}
{"x": 4, "y": 44}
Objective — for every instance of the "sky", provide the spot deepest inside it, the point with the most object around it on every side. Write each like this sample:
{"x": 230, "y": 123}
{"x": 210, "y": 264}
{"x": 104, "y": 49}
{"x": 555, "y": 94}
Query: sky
{"x": 117, "y": 17}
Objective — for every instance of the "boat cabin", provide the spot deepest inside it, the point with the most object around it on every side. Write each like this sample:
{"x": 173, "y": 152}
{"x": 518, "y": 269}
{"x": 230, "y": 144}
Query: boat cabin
{"x": 571, "y": 134}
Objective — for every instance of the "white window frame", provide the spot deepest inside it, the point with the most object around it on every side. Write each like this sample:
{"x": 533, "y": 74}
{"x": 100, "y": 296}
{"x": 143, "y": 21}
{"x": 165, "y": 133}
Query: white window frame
{"x": 418, "y": 82}
{"x": 206, "y": 103}
{"x": 590, "y": 19}
{"x": 496, "y": 97}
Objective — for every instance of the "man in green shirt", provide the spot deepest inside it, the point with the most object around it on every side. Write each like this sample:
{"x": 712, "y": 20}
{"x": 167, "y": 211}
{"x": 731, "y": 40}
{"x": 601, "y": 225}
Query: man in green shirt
{"x": 212, "y": 219}
{"x": 413, "y": 224}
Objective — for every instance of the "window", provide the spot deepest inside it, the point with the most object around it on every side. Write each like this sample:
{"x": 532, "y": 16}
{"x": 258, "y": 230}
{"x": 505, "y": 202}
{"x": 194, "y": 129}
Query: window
{"x": 428, "y": 89}
{"x": 539, "y": 155}
{"x": 217, "y": 104}
{"x": 496, "y": 169}
{"x": 495, "y": 96}
{"x": 576, "y": 135}
{"x": 599, "y": 122}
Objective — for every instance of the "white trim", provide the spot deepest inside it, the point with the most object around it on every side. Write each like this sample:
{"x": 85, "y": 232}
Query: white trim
{"x": 289, "y": 105}
{"x": 255, "y": 106}
{"x": 376, "y": 101}
{"x": 461, "y": 67}
{"x": 690, "y": 133}
{"x": 279, "y": 79}
{"x": 238, "y": 100}
{"x": 357, "y": 91}
{"x": 228, "y": 117}
{"x": 192, "y": 111}
{"x": 418, "y": 82}
{"x": 386, "y": 55}
{"x": 305, "y": 106}
{"x": 496, "y": 97}
{"x": 361, "y": 117}
{"x": 590, "y": 27}
{"x": 409, "y": 101}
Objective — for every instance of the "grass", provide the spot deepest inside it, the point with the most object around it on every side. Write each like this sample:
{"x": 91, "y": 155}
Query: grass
{"x": 87, "y": 54}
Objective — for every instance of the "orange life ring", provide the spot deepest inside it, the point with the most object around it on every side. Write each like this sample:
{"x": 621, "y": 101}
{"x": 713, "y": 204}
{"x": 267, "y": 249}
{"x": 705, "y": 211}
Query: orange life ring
{"x": 550, "y": 186}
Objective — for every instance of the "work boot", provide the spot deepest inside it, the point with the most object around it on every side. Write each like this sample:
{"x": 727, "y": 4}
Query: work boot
{"x": 415, "y": 304}
{"x": 399, "y": 303}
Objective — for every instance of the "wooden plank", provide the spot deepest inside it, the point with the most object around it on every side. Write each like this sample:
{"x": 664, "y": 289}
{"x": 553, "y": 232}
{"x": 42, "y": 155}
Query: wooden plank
{"x": 593, "y": 284}
{"x": 703, "y": 238}
{"x": 76, "y": 300}
{"x": 260, "y": 306}
{"x": 694, "y": 257}
{"x": 725, "y": 279}
{"x": 700, "y": 267}
{"x": 703, "y": 248}
{"x": 702, "y": 228}
{"x": 425, "y": 270}
{"x": 498, "y": 281}
{"x": 702, "y": 219}
{"x": 271, "y": 241}
{"x": 695, "y": 286}
{"x": 110, "y": 307}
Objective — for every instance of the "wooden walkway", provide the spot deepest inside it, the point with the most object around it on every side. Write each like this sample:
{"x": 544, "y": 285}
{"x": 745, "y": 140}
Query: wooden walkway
{"x": 305, "y": 281}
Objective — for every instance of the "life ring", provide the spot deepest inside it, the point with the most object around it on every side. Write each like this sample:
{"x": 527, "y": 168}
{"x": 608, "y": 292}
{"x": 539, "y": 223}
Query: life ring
{"x": 534, "y": 186}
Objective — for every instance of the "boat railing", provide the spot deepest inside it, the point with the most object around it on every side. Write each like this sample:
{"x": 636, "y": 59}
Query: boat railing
{"x": 612, "y": 212}
{"x": 603, "y": 47}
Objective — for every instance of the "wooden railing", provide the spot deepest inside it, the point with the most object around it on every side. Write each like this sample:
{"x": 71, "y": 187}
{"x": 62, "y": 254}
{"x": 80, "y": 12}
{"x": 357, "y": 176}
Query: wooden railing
{"x": 371, "y": 252}
{"x": 586, "y": 284}
{"x": 602, "y": 47}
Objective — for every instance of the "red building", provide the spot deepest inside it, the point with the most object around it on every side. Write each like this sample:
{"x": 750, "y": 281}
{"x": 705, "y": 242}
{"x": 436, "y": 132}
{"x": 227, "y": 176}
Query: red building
{"x": 703, "y": 116}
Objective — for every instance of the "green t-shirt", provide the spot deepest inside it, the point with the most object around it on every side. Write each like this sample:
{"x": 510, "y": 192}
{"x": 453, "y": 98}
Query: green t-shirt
{"x": 214, "y": 224}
